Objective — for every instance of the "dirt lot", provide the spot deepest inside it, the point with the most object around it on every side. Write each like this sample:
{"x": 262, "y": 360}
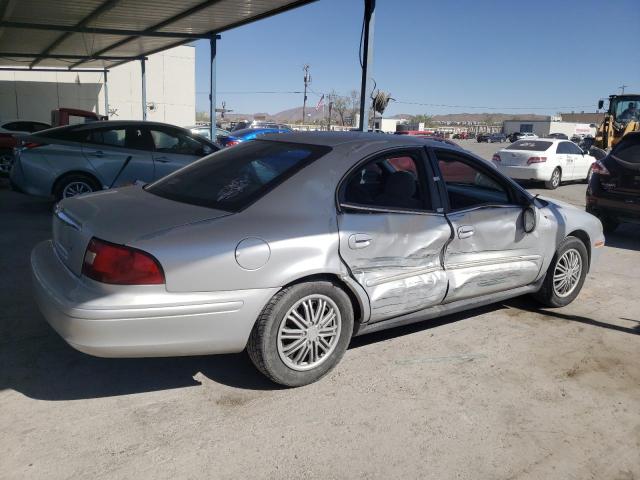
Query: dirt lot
{"x": 504, "y": 392}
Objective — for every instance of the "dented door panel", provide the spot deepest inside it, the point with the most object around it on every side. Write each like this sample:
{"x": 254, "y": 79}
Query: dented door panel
{"x": 400, "y": 266}
{"x": 497, "y": 256}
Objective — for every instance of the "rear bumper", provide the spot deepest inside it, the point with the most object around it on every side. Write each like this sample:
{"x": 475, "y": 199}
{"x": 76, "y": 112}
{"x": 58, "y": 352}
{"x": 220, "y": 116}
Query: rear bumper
{"x": 623, "y": 209}
{"x": 539, "y": 173}
{"x": 141, "y": 321}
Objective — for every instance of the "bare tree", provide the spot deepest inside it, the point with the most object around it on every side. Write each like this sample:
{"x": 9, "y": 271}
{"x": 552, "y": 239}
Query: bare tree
{"x": 340, "y": 106}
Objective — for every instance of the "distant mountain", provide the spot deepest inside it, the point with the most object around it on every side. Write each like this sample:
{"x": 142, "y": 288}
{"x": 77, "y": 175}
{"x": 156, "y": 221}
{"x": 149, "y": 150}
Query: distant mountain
{"x": 479, "y": 117}
{"x": 295, "y": 114}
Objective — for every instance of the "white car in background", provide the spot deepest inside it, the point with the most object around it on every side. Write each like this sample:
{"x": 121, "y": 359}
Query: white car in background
{"x": 548, "y": 160}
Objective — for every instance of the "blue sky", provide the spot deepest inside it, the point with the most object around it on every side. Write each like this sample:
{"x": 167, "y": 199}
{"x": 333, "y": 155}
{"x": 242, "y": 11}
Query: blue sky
{"x": 511, "y": 56}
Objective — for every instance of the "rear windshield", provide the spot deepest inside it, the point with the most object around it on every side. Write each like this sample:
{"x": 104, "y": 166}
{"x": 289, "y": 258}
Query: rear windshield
{"x": 628, "y": 150}
{"x": 532, "y": 145}
{"x": 233, "y": 178}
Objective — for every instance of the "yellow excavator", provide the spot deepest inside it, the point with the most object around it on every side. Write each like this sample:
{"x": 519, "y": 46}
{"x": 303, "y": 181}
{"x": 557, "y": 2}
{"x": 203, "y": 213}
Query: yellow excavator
{"x": 622, "y": 117}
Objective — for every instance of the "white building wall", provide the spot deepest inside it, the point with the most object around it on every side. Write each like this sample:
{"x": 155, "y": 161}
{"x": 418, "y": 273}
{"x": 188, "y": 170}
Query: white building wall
{"x": 171, "y": 88}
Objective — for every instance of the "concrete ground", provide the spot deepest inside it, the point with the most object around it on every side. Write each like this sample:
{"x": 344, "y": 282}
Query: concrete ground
{"x": 505, "y": 392}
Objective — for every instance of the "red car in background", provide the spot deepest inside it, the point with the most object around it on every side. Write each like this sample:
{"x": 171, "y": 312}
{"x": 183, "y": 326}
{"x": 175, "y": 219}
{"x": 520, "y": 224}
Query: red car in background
{"x": 8, "y": 130}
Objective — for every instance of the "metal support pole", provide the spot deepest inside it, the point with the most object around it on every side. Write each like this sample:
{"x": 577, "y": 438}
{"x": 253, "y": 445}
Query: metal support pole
{"x": 367, "y": 63}
{"x": 106, "y": 95}
{"x": 212, "y": 86}
{"x": 144, "y": 88}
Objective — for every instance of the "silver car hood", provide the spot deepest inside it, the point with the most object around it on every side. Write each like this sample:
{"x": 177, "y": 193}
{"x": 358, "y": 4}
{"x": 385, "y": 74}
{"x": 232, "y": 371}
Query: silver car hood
{"x": 121, "y": 216}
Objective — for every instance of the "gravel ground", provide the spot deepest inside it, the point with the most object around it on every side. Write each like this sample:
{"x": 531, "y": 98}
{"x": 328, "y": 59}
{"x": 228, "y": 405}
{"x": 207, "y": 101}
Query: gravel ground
{"x": 504, "y": 392}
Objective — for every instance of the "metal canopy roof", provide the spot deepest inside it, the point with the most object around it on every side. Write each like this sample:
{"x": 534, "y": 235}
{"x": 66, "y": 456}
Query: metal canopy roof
{"x": 102, "y": 34}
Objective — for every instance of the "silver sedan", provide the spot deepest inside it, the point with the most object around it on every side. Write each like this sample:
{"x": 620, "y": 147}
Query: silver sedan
{"x": 289, "y": 246}
{"x": 67, "y": 161}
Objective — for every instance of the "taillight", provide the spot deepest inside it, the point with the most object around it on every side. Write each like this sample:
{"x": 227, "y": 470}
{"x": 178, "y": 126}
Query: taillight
{"x": 231, "y": 143}
{"x": 496, "y": 158}
{"x": 599, "y": 168}
{"x": 30, "y": 145}
{"x": 120, "y": 265}
{"x": 536, "y": 160}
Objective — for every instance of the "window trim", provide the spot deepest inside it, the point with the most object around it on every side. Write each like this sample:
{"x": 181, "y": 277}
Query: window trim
{"x": 516, "y": 194}
{"x": 423, "y": 169}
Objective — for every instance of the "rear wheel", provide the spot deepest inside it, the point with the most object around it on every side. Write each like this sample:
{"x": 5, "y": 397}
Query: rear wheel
{"x": 565, "y": 275}
{"x": 554, "y": 181}
{"x": 73, "y": 185}
{"x": 302, "y": 333}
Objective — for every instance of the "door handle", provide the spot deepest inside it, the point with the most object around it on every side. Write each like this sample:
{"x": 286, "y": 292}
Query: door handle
{"x": 465, "y": 231}
{"x": 98, "y": 153}
{"x": 359, "y": 240}
{"x": 163, "y": 159}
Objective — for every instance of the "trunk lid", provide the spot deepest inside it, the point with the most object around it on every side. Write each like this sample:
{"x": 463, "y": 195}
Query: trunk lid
{"x": 119, "y": 216}
{"x": 517, "y": 157}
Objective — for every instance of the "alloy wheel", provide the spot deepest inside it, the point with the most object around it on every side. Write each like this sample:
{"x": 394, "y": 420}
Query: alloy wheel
{"x": 566, "y": 274}
{"x": 555, "y": 178}
{"x": 309, "y": 332}
{"x": 76, "y": 188}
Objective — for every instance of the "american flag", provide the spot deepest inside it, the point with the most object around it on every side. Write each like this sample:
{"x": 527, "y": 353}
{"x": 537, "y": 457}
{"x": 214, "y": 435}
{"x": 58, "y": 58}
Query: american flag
{"x": 320, "y": 103}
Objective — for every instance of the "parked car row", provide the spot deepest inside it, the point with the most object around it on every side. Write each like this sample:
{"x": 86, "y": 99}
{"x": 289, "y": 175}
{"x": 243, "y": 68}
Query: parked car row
{"x": 275, "y": 245}
{"x": 491, "y": 137}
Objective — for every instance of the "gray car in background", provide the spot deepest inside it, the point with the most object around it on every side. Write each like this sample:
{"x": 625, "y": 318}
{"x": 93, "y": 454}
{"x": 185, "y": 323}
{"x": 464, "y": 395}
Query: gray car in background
{"x": 67, "y": 161}
{"x": 291, "y": 244}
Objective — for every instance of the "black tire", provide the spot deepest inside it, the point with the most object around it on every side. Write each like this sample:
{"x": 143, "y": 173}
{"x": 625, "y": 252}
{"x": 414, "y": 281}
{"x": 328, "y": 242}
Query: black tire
{"x": 555, "y": 180}
{"x": 547, "y": 295}
{"x": 80, "y": 178}
{"x": 262, "y": 346}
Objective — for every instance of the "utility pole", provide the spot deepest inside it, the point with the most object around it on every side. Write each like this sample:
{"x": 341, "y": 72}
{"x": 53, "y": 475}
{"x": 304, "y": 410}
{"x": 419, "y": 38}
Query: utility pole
{"x": 622, "y": 87}
{"x": 330, "y": 108}
{"x": 307, "y": 82}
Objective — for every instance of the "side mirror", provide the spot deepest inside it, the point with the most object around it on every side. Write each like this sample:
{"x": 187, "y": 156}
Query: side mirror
{"x": 206, "y": 150}
{"x": 529, "y": 218}
{"x": 600, "y": 104}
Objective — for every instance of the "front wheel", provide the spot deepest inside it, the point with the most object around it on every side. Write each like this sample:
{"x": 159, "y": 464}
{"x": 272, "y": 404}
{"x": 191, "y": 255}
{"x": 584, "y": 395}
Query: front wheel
{"x": 565, "y": 275}
{"x": 302, "y": 333}
{"x": 554, "y": 181}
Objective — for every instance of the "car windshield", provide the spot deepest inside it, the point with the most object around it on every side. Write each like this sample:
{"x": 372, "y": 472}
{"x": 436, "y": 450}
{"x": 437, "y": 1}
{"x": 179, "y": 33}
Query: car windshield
{"x": 532, "y": 145}
{"x": 234, "y": 178}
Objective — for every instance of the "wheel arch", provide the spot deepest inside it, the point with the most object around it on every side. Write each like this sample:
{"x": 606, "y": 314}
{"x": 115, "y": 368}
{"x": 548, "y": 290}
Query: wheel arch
{"x": 586, "y": 240}
{"x": 359, "y": 304}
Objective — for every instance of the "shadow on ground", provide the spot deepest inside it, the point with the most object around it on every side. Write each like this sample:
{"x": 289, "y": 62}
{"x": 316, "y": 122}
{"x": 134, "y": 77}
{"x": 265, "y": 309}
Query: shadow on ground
{"x": 46, "y": 368}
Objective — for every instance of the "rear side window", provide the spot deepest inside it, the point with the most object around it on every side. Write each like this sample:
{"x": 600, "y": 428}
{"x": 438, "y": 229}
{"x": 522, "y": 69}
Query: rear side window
{"x": 67, "y": 133}
{"x": 233, "y": 178}
{"x": 628, "y": 150}
{"x": 531, "y": 145}
{"x": 390, "y": 181}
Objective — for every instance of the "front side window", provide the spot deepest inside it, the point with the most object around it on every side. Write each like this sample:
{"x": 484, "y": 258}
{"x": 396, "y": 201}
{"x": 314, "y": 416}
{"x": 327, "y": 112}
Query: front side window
{"x": 233, "y": 178}
{"x": 467, "y": 185}
{"x": 170, "y": 141}
{"x": 391, "y": 181}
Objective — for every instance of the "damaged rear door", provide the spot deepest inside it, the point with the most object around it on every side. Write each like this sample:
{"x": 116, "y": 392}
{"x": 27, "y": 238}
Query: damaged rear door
{"x": 391, "y": 237}
{"x": 489, "y": 251}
